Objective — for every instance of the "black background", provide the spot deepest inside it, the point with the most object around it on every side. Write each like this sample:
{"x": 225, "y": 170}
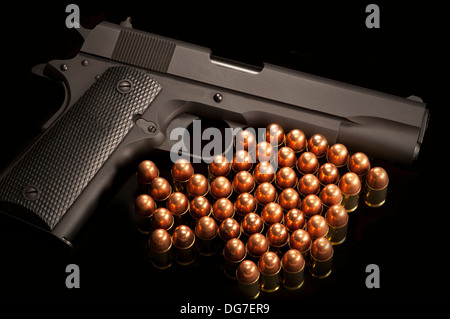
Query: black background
{"x": 406, "y": 238}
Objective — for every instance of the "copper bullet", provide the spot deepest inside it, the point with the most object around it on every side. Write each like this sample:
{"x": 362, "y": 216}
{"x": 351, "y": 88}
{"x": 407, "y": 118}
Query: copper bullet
{"x": 252, "y": 224}
{"x": 264, "y": 152}
{"x": 359, "y": 164}
{"x": 269, "y": 266}
{"x": 318, "y": 145}
{"x": 308, "y": 184}
{"x": 220, "y": 166}
{"x": 301, "y": 241}
{"x": 331, "y": 195}
{"x": 144, "y": 207}
{"x": 242, "y": 161}
{"x": 294, "y": 219}
{"x": 311, "y": 205}
{"x": 377, "y": 181}
{"x": 278, "y": 236}
{"x": 181, "y": 171}
{"x": 288, "y": 199}
{"x": 160, "y": 243}
{"x": 245, "y": 140}
{"x": 317, "y": 227}
{"x": 247, "y": 275}
{"x": 320, "y": 263}
{"x": 274, "y": 134}
{"x": 206, "y": 230}
{"x": 162, "y": 218}
{"x": 264, "y": 172}
{"x": 265, "y": 193}
{"x": 200, "y": 207}
{"x": 338, "y": 155}
{"x": 160, "y": 189}
{"x": 229, "y": 229}
{"x": 234, "y": 253}
{"x": 183, "y": 239}
{"x": 307, "y": 163}
{"x": 293, "y": 265}
{"x": 178, "y": 205}
{"x": 286, "y": 178}
{"x": 222, "y": 209}
{"x": 272, "y": 213}
{"x": 146, "y": 172}
{"x": 286, "y": 157}
{"x": 328, "y": 174}
{"x": 243, "y": 182}
{"x": 296, "y": 140}
{"x": 221, "y": 187}
{"x": 350, "y": 186}
{"x": 245, "y": 203}
{"x": 257, "y": 244}
{"x": 197, "y": 185}
{"x": 337, "y": 220}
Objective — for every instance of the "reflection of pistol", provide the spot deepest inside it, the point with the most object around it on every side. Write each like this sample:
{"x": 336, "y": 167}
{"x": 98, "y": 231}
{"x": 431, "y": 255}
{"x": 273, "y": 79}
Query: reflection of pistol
{"x": 127, "y": 90}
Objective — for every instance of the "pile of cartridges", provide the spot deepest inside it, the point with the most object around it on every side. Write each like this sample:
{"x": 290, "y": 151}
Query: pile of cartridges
{"x": 273, "y": 212}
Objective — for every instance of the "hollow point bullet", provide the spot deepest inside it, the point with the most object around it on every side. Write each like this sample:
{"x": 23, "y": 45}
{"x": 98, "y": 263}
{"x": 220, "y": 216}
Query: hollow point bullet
{"x": 317, "y": 227}
{"x": 293, "y": 265}
{"x": 318, "y": 145}
{"x": 311, "y": 205}
{"x": 308, "y": 184}
{"x": 183, "y": 239}
{"x": 294, "y": 219}
{"x": 247, "y": 275}
{"x": 350, "y": 186}
{"x": 178, "y": 205}
{"x": 275, "y": 134}
{"x": 234, "y": 252}
{"x": 307, "y": 163}
{"x": 377, "y": 181}
{"x": 222, "y": 209}
{"x": 181, "y": 171}
{"x": 264, "y": 172}
{"x": 296, "y": 140}
{"x": 243, "y": 182}
{"x": 330, "y": 195}
{"x": 265, "y": 193}
{"x": 220, "y": 166}
{"x": 257, "y": 244}
{"x": 337, "y": 220}
{"x": 328, "y": 174}
{"x": 286, "y": 178}
{"x": 272, "y": 213}
{"x": 221, "y": 187}
{"x": 264, "y": 152}
{"x": 162, "y": 218}
{"x": 278, "y": 236}
{"x": 252, "y": 224}
{"x": 270, "y": 266}
{"x": 321, "y": 260}
{"x": 289, "y": 199}
{"x": 245, "y": 203}
{"x": 197, "y": 185}
{"x": 359, "y": 164}
{"x": 160, "y": 244}
{"x": 144, "y": 207}
{"x": 206, "y": 230}
{"x": 301, "y": 241}
{"x": 160, "y": 190}
{"x": 286, "y": 157}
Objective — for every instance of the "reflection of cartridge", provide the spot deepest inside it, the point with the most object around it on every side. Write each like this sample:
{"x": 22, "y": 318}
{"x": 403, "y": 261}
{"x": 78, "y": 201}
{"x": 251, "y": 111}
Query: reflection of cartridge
{"x": 296, "y": 140}
{"x": 269, "y": 266}
{"x": 321, "y": 261}
{"x": 183, "y": 239}
{"x": 144, "y": 207}
{"x": 234, "y": 253}
{"x": 247, "y": 275}
{"x": 206, "y": 230}
{"x": 181, "y": 171}
{"x": 337, "y": 220}
{"x": 377, "y": 181}
{"x": 350, "y": 186}
{"x": 160, "y": 243}
{"x": 293, "y": 265}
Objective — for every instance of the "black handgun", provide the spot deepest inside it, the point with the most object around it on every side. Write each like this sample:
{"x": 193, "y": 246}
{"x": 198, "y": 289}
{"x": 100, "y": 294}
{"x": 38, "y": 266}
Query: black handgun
{"x": 126, "y": 90}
